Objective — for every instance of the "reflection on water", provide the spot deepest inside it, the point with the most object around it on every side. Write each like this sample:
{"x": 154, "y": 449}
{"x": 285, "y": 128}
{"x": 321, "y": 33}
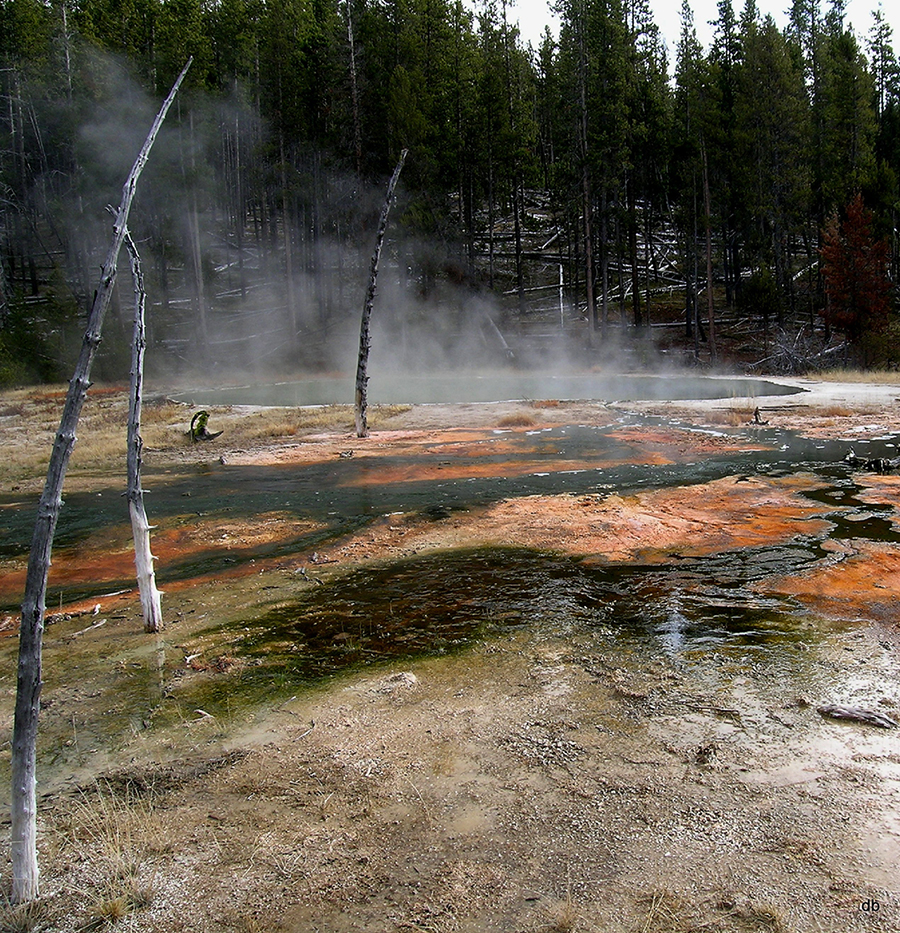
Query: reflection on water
{"x": 433, "y": 604}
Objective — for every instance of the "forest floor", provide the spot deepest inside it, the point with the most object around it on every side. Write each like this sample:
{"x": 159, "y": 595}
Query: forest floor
{"x": 588, "y": 757}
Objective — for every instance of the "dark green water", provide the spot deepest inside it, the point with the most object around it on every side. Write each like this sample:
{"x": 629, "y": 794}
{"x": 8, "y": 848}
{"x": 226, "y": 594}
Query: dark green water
{"x": 441, "y": 603}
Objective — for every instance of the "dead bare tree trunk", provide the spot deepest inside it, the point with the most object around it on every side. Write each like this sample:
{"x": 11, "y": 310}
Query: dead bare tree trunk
{"x": 140, "y": 527}
{"x": 709, "y": 276}
{"x": 28, "y": 686}
{"x": 361, "y": 403}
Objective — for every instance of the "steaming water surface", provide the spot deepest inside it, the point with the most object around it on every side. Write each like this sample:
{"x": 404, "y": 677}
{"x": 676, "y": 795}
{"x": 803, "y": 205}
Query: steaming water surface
{"x": 417, "y": 388}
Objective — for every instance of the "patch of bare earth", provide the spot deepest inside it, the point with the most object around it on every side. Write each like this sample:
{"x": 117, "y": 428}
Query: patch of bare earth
{"x": 527, "y": 786}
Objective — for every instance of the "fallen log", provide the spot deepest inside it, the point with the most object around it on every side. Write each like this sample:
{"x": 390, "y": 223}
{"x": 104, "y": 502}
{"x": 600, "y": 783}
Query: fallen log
{"x": 855, "y": 714}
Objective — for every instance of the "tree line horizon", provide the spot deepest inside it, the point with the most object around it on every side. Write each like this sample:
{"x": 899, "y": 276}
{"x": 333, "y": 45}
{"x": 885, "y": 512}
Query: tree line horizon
{"x": 578, "y": 184}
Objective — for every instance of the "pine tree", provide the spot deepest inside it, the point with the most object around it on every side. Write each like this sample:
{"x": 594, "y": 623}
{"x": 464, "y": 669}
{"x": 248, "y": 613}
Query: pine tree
{"x": 726, "y": 58}
{"x": 692, "y": 79}
{"x": 847, "y": 113}
{"x": 649, "y": 137}
{"x": 885, "y": 193}
{"x": 772, "y": 139}
{"x": 857, "y": 286}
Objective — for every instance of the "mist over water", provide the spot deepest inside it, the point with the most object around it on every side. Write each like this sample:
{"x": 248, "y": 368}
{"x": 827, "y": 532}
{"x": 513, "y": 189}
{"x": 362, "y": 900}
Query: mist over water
{"x": 255, "y": 279}
{"x": 484, "y": 386}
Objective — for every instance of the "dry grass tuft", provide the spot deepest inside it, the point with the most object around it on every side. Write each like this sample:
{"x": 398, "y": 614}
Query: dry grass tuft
{"x": 12, "y": 409}
{"x": 107, "y": 911}
{"x": 32, "y": 917}
{"x": 29, "y": 419}
{"x": 267, "y": 423}
{"x": 565, "y": 918}
{"x": 113, "y": 840}
{"x": 384, "y": 413}
{"x": 760, "y": 916}
{"x": 669, "y": 912}
{"x": 838, "y": 411}
{"x": 666, "y": 913}
{"x": 250, "y": 925}
{"x": 732, "y": 417}
{"x": 245, "y": 428}
{"x": 517, "y": 420}
{"x": 116, "y": 901}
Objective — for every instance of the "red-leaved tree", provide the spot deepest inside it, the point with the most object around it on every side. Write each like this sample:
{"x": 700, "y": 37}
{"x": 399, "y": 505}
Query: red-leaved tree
{"x": 857, "y": 285}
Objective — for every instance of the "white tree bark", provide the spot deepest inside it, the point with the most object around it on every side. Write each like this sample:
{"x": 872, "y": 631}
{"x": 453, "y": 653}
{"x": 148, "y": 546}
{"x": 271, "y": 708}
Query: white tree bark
{"x": 28, "y": 685}
{"x": 151, "y": 606}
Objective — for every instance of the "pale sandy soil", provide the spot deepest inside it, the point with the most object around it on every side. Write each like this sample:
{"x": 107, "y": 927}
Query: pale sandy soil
{"x": 545, "y": 778}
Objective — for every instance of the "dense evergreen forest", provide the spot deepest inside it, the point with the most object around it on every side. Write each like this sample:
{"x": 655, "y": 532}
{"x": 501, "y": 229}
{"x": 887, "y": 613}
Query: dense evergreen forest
{"x": 577, "y": 195}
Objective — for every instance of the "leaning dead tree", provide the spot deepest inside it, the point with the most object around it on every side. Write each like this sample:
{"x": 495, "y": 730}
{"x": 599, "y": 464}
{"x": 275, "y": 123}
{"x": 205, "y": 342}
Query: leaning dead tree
{"x": 151, "y": 607}
{"x": 361, "y": 402}
{"x": 28, "y": 685}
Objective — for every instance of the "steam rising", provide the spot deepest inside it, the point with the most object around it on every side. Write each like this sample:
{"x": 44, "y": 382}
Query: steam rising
{"x": 257, "y": 273}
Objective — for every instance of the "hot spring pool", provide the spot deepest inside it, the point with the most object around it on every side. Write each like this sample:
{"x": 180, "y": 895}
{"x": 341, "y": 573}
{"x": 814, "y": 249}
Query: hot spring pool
{"x": 487, "y": 387}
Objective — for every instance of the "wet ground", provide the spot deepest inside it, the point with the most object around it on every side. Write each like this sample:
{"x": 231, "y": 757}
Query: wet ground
{"x": 492, "y": 669}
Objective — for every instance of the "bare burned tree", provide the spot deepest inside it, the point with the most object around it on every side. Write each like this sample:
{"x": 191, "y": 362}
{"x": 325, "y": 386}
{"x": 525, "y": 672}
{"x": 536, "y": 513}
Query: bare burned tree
{"x": 140, "y": 527}
{"x": 28, "y": 686}
{"x": 361, "y": 402}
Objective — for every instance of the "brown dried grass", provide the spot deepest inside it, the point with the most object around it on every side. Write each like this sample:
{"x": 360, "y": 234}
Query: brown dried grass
{"x": 29, "y": 419}
{"x": 876, "y": 377}
{"x": 517, "y": 420}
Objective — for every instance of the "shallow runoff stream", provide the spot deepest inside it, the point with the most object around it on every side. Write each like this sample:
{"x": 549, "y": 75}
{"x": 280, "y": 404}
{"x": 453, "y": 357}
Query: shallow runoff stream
{"x": 251, "y": 628}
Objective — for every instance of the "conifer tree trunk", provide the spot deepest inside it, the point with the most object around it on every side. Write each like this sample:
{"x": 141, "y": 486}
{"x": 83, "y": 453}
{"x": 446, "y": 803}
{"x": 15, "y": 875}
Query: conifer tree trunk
{"x": 4, "y": 295}
{"x": 588, "y": 254}
{"x": 196, "y": 250}
{"x": 361, "y": 402}
{"x": 709, "y": 276}
{"x": 586, "y": 193}
{"x": 354, "y": 92}
{"x": 287, "y": 233}
{"x": 140, "y": 527}
{"x": 28, "y": 687}
{"x": 633, "y": 252}
{"x": 604, "y": 260}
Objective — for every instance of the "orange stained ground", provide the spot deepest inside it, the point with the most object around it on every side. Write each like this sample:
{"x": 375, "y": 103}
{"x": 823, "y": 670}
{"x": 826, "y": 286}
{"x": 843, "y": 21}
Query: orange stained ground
{"x": 650, "y": 527}
{"x": 861, "y": 582}
{"x": 653, "y": 527}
